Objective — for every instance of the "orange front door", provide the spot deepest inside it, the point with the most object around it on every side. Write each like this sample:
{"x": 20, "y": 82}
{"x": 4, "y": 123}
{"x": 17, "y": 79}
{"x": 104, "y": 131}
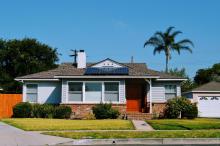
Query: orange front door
{"x": 133, "y": 97}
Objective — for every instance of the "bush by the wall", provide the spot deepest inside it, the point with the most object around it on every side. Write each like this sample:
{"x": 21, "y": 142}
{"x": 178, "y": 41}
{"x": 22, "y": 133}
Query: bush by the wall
{"x": 62, "y": 112}
{"x": 22, "y": 110}
{"x": 27, "y": 110}
{"x": 180, "y": 107}
{"x": 191, "y": 112}
{"x": 35, "y": 110}
{"x": 46, "y": 111}
{"x": 105, "y": 111}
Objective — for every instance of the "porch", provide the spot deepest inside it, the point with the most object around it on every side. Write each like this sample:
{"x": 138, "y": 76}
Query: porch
{"x": 138, "y": 99}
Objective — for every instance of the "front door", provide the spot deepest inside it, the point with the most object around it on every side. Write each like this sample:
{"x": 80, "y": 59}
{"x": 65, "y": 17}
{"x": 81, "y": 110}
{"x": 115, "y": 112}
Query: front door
{"x": 133, "y": 97}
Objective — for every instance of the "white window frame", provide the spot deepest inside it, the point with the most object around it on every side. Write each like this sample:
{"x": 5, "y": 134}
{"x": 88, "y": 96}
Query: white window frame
{"x": 26, "y": 97}
{"x": 170, "y": 92}
{"x": 68, "y": 92}
{"x": 83, "y": 93}
{"x": 108, "y": 91}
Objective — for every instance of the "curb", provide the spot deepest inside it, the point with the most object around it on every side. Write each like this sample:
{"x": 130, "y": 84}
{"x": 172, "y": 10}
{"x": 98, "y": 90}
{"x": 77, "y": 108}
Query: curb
{"x": 145, "y": 141}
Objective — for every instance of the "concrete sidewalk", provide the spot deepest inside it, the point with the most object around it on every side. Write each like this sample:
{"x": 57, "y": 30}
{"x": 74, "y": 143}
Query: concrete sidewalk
{"x": 11, "y": 136}
{"x": 141, "y": 125}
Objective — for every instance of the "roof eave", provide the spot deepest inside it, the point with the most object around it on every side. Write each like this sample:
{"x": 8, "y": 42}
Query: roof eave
{"x": 171, "y": 79}
{"x": 35, "y": 79}
{"x": 87, "y": 76}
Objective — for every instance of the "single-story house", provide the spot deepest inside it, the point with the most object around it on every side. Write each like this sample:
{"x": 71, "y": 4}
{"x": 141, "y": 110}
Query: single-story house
{"x": 130, "y": 87}
{"x": 207, "y": 98}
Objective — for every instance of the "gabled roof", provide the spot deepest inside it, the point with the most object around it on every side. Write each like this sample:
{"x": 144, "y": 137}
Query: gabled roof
{"x": 68, "y": 69}
{"x": 208, "y": 87}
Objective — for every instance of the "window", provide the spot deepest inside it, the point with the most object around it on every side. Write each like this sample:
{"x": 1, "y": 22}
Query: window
{"x": 111, "y": 91}
{"x": 75, "y": 91}
{"x": 93, "y": 92}
{"x": 31, "y": 92}
{"x": 170, "y": 91}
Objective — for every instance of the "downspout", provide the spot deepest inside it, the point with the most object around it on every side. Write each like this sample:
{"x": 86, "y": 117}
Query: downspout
{"x": 150, "y": 98}
{"x": 150, "y": 83}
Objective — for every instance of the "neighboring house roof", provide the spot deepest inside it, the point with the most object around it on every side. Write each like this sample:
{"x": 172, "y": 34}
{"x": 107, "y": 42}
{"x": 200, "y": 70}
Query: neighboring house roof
{"x": 208, "y": 87}
{"x": 68, "y": 69}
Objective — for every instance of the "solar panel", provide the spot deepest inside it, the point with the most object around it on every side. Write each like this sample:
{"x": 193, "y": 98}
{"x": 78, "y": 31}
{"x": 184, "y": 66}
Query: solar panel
{"x": 107, "y": 71}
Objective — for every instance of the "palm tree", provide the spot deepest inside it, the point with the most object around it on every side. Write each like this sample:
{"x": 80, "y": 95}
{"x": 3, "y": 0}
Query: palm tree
{"x": 166, "y": 42}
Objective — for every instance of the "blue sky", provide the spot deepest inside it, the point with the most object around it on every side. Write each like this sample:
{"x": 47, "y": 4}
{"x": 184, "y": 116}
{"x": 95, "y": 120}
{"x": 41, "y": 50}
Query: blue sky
{"x": 117, "y": 29}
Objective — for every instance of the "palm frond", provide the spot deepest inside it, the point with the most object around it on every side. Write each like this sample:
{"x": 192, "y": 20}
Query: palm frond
{"x": 175, "y": 33}
{"x": 153, "y": 41}
{"x": 169, "y": 29}
{"x": 158, "y": 49}
{"x": 160, "y": 35}
{"x": 187, "y": 48}
{"x": 185, "y": 42}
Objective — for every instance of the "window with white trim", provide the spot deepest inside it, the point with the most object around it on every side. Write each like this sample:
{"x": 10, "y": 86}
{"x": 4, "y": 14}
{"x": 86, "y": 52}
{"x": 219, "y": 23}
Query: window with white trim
{"x": 93, "y": 91}
{"x": 31, "y": 92}
{"x": 75, "y": 91}
{"x": 170, "y": 91}
{"x": 111, "y": 91}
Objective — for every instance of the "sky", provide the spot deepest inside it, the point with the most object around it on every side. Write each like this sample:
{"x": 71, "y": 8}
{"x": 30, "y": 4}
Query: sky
{"x": 117, "y": 29}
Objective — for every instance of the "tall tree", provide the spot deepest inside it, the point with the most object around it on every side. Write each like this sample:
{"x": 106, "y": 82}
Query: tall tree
{"x": 166, "y": 42}
{"x": 22, "y": 57}
{"x": 185, "y": 85}
{"x": 208, "y": 74}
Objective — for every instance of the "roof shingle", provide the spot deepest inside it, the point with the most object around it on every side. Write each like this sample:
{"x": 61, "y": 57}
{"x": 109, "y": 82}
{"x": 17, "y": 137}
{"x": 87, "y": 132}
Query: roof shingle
{"x": 68, "y": 69}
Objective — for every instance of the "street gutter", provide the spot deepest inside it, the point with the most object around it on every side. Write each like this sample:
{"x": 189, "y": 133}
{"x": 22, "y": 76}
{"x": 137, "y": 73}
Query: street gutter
{"x": 145, "y": 141}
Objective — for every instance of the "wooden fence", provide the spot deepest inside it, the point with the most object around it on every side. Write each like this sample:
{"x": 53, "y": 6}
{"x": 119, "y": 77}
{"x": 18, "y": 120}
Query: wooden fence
{"x": 7, "y": 101}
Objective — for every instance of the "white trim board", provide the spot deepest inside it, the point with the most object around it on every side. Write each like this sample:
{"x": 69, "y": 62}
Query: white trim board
{"x": 104, "y": 77}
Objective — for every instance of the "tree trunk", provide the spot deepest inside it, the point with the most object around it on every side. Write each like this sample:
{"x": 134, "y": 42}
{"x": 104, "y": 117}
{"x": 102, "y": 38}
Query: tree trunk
{"x": 167, "y": 60}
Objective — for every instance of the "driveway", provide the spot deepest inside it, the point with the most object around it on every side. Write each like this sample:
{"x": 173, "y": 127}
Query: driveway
{"x": 11, "y": 136}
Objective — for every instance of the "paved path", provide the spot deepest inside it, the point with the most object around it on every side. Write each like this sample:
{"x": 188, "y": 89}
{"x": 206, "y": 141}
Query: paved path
{"x": 142, "y": 125}
{"x": 11, "y": 136}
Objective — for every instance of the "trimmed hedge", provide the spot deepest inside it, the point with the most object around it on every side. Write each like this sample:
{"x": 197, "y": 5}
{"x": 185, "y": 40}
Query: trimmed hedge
{"x": 105, "y": 111}
{"x": 180, "y": 107}
{"x": 27, "y": 110}
{"x": 22, "y": 110}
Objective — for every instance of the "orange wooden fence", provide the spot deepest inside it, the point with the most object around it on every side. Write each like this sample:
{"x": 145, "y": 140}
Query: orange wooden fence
{"x": 7, "y": 101}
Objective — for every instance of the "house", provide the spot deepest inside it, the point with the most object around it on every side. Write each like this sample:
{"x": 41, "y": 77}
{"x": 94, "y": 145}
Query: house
{"x": 207, "y": 98}
{"x": 130, "y": 87}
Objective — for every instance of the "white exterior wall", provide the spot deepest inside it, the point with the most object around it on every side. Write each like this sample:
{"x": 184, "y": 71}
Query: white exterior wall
{"x": 47, "y": 92}
{"x": 195, "y": 96}
{"x": 158, "y": 90}
{"x": 107, "y": 63}
{"x": 65, "y": 87}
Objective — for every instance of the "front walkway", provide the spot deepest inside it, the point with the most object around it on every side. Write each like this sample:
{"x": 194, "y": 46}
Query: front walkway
{"x": 11, "y": 136}
{"x": 142, "y": 125}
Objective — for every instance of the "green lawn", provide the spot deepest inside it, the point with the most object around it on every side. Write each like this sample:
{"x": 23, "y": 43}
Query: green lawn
{"x": 126, "y": 134}
{"x": 34, "y": 124}
{"x": 184, "y": 124}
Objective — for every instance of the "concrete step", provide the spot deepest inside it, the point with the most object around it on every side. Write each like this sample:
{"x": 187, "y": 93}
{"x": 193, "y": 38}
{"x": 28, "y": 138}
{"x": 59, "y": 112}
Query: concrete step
{"x": 138, "y": 116}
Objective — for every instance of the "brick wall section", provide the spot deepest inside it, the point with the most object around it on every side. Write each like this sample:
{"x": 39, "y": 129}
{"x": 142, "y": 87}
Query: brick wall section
{"x": 80, "y": 111}
{"x": 158, "y": 108}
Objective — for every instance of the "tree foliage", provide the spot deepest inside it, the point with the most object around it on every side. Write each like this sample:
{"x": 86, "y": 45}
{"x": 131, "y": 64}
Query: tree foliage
{"x": 185, "y": 85}
{"x": 166, "y": 42}
{"x": 206, "y": 75}
{"x": 22, "y": 57}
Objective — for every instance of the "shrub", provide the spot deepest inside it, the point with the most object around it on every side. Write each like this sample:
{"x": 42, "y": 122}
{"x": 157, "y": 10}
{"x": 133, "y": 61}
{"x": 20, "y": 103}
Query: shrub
{"x": 62, "y": 112}
{"x": 22, "y": 110}
{"x": 180, "y": 106}
{"x": 105, "y": 111}
{"x": 36, "y": 110}
{"x": 27, "y": 110}
{"x": 191, "y": 112}
{"x": 46, "y": 111}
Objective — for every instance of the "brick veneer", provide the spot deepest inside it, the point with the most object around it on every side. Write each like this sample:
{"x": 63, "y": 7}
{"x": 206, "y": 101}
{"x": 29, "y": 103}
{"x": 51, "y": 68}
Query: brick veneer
{"x": 158, "y": 108}
{"x": 82, "y": 110}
